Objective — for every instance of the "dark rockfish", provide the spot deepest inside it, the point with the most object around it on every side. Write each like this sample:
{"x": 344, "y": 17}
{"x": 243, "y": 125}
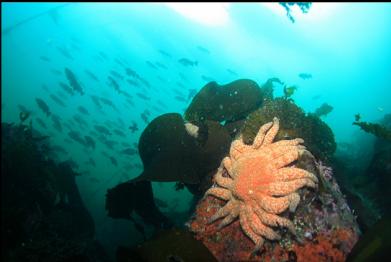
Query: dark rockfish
{"x": 129, "y": 151}
{"x": 103, "y": 130}
{"x": 90, "y": 74}
{"x": 203, "y": 49}
{"x": 119, "y": 62}
{"x": 142, "y": 96}
{"x": 160, "y": 203}
{"x": 187, "y": 62}
{"x": 103, "y": 55}
{"x": 109, "y": 103}
{"x": 149, "y": 63}
{"x": 180, "y": 85}
{"x": 77, "y": 137}
{"x": 57, "y": 100}
{"x": 83, "y": 110}
{"x": 73, "y": 81}
{"x": 207, "y": 78}
{"x": 56, "y": 72}
{"x": 231, "y": 72}
{"x": 119, "y": 132}
{"x": 114, "y": 84}
{"x": 109, "y": 143}
{"x": 79, "y": 119}
{"x": 145, "y": 82}
{"x": 164, "y": 53}
{"x": 113, "y": 161}
{"x": 44, "y": 58}
{"x": 64, "y": 51}
{"x": 95, "y": 100}
{"x": 43, "y": 106}
{"x": 132, "y": 73}
{"x": 57, "y": 123}
{"x": 192, "y": 93}
{"x": 91, "y": 162}
{"x": 41, "y": 122}
{"x": 180, "y": 99}
{"x": 133, "y": 127}
{"x": 94, "y": 180}
{"x": 144, "y": 117}
{"x": 58, "y": 149}
{"x": 161, "y": 65}
{"x": 116, "y": 74}
{"x": 305, "y": 76}
{"x": 45, "y": 87}
{"x": 126, "y": 94}
{"x": 323, "y": 110}
{"x": 66, "y": 88}
{"x": 132, "y": 82}
{"x": 183, "y": 77}
{"x": 89, "y": 142}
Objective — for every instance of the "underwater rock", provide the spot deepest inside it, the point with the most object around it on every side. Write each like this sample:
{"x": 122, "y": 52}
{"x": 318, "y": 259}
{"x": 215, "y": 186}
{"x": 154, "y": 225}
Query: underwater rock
{"x": 318, "y": 137}
{"x": 228, "y": 102}
{"x": 175, "y": 245}
{"x": 136, "y": 196}
{"x": 43, "y": 215}
{"x": 375, "y": 244}
{"x": 325, "y": 226}
{"x": 170, "y": 153}
{"x": 379, "y": 170}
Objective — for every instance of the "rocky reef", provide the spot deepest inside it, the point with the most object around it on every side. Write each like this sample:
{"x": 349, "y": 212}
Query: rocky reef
{"x": 168, "y": 245}
{"x": 318, "y": 137}
{"x": 325, "y": 226}
{"x": 322, "y": 226}
{"x": 228, "y": 102}
{"x": 43, "y": 215}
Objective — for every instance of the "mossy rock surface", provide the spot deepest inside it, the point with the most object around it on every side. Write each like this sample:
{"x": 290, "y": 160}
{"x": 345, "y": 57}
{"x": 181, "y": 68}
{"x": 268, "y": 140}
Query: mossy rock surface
{"x": 294, "y": 123}
{"x": 173, "y": 245}
{"x": 228, "y": 102}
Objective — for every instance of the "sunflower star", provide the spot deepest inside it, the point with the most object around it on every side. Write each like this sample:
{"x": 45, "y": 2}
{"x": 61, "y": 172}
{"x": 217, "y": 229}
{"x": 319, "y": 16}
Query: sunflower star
{"x": 260, "y": 185}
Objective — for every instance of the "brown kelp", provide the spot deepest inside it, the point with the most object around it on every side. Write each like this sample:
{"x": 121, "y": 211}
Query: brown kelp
{"x": 376, "y": 129}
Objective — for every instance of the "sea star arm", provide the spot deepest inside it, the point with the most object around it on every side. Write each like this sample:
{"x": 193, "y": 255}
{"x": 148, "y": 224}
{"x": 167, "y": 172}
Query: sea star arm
{"x": 288, "y": 187}
{"x": 244, "y": 223}
{"x": 223, "y": 181}
{"x": 275, "y": 152}
{"x": 231, "y": 217}
{"x": 273, "y": 220}
{"x": 269, "y": 137}
{"x": 292, "y": 173}
{"x": 219, "y": 192}
{"x": 292, "y": 142}
{"x": 277, "y": 205}
{"x": 287, "y": 158}
{"x": 227, "y": 163}
{"x": 294, "y": 199}
{"x": 273, "y": 205}
{"x": 258, "y": 227}
{"x": 224, "y": 211}
{"x": 258, "y": 140}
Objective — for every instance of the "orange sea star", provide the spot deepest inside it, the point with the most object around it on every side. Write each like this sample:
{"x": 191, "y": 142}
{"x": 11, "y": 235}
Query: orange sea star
{"x": 260, "y": 185}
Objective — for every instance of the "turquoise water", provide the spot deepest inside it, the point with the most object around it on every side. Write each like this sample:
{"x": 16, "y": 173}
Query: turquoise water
{"x": 345, "y": 47}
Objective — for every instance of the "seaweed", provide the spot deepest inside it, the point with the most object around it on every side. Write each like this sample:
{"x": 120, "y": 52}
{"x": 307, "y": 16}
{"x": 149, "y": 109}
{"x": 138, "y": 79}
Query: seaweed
{"x": 378, "y": 130}
{"x": 304, "y": 7}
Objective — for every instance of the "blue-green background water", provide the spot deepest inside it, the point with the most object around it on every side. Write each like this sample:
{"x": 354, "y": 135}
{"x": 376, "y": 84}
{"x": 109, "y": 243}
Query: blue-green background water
{"x": 346, "y": 48}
